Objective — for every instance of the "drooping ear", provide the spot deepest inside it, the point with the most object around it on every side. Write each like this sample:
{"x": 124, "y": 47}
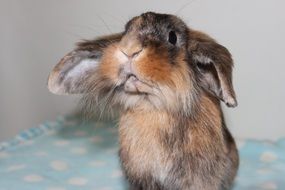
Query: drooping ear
{"x": 214, "y": 65}
{"x": 71, "y": 74}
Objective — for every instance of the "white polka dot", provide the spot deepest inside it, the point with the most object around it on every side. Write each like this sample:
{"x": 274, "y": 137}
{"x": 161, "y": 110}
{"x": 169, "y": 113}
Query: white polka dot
{"x": 80, "y": 133}
{"x": 16, "y": 167}
{"x": 61, "y": 143}
{"x": 112, "y": 150}
{"x": 41, "y": 153}
{"x": 51, "y": 133}
{"x": 268, "y": 143}
{"x": 33, "y": 178}
{"x": 99, "y": 124}
{"x": 70, "y": 123}
{"x": 237, "y": 179}
{"x": 78, "y": 181}
{"x": 263, "y": 171}
{"x": 4, "y": 155}
{"x": 268, "y": 157}
{"x": 242, "y": 162}
{"x": 106, "y": 188}
{"x": 96, "y": 139}
{"x": 97, "y": 163}
{"x": 240, "y": 143}
{"x": 78, "y": 150}
{"x": 269, "y": 186}
{"x": 28, "y": 143}
{"x": 56, "y": 188}
{"x": 113, "y": 130}
{"x": 59, "y": 165}
{"x": 52, "y": 124}
{"x": 116, "y": 174}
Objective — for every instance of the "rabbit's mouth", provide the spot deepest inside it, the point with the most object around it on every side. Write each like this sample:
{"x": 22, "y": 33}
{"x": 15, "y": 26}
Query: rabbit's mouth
{"x": 133, "y": 85}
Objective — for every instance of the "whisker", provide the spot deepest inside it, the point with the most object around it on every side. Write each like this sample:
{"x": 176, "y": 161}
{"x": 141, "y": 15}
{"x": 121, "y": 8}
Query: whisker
{"x": 105, "y": 24}
{"x": 117, "y": 18}
{"x": 107, "y": 101}
{"x": 87, "y": 27}
{"x": 164, "y": 97}
{"x": 74, "y": 35}
{"x": 183, "y": 7}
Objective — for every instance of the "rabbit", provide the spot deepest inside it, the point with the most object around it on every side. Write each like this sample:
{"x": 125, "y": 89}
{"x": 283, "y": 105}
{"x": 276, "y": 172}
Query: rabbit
{"x": 168, "y": 81}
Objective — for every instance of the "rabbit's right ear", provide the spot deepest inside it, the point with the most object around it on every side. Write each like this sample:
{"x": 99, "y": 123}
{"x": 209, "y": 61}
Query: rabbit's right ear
{"x": 214, "y": 63}
{"x": 71, "y": 74}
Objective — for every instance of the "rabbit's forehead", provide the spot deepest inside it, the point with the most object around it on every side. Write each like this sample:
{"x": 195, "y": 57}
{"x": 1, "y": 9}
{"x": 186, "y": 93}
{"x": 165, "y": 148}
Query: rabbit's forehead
{"x": 155, "y": 23}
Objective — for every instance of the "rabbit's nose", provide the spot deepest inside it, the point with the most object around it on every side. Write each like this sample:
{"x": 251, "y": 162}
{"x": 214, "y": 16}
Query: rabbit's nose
{"x": 130, "y": 45}
{"x": 131, "y": 54}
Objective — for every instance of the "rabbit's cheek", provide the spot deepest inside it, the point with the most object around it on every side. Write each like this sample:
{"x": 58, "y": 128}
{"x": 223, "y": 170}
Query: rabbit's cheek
{"x": 153, "y": 66}
{"x": 111, "y": 64}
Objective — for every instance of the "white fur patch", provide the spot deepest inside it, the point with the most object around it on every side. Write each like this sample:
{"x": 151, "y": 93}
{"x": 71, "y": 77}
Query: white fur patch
{"x": 202, "y": 59}
{"x": 122, "y": 58}
{"x": 83, "y": 67}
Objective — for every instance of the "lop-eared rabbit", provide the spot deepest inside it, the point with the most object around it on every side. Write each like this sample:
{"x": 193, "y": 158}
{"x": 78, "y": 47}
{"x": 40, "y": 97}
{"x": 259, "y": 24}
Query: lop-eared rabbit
{"x": 167, "y": 81}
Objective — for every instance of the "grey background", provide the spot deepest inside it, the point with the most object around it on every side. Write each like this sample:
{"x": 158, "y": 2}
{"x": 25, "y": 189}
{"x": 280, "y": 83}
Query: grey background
{"x": 35, "y": 34}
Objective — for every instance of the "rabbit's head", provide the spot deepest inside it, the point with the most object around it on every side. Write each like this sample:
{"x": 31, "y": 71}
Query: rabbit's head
{"x": 156, "y": 63}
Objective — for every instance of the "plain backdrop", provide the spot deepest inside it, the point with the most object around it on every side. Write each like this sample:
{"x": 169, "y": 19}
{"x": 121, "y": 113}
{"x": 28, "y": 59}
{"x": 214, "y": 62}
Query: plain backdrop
{"x": 35, "y": 34}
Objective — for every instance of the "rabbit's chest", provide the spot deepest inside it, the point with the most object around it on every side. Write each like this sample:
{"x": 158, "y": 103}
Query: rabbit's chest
{"x": 142, "y": 153}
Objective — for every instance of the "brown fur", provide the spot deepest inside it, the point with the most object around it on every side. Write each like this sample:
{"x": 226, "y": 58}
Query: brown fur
{"x": 153, "y": 142}
{"x": 172, "y": 131}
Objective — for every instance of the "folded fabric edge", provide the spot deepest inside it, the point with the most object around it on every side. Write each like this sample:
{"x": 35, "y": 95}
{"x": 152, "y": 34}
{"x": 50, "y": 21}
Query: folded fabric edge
{"x": 33, "y": 132}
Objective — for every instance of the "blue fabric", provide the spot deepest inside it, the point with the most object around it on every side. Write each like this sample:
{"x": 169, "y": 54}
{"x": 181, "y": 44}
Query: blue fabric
{"x": 74, "y": 155}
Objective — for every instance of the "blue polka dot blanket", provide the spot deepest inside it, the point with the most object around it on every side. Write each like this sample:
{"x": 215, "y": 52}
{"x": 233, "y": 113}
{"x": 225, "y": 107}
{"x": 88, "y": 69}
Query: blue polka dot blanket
{"x": 71, "y": 154}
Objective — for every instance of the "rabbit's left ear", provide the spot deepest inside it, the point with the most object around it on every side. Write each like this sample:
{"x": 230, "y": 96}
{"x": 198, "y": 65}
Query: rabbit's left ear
{"x": 71, "y": 74}
{"x": 214, "y": 66}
